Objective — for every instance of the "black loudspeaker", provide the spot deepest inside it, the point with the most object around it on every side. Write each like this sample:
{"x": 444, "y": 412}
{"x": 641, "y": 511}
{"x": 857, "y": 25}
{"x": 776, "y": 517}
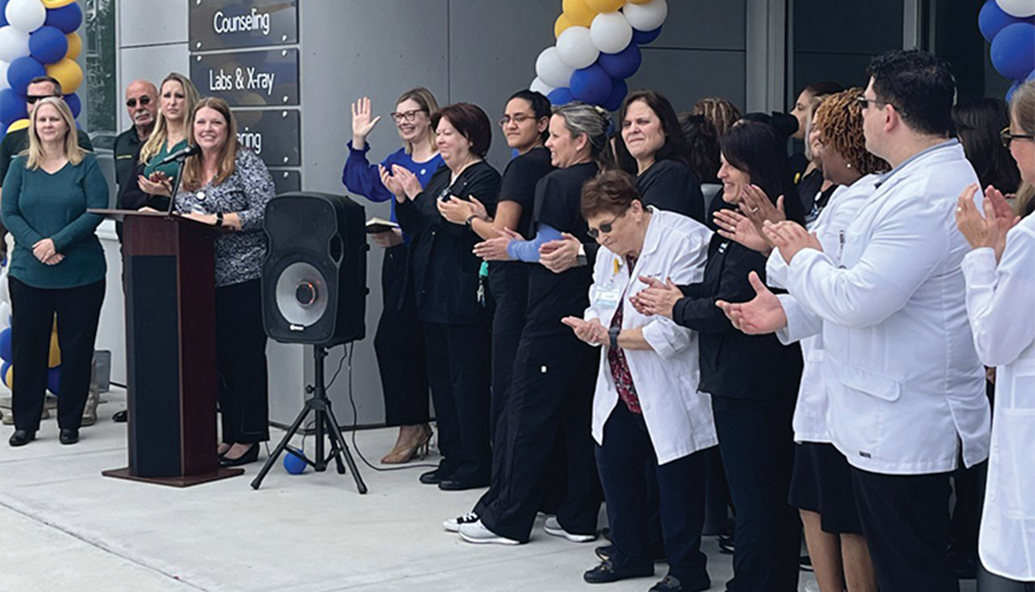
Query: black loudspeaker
{"x": 314, "y": 277}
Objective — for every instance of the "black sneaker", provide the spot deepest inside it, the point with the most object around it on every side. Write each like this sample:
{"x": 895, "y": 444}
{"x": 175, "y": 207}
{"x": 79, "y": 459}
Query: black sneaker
{"x": 672, "y": 584}
{"x": 606, "y": 573}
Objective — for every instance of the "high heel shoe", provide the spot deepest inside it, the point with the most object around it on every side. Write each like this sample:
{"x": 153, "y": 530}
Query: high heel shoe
{"x": 248, "y": 457}
{"x": 404, "y": 453}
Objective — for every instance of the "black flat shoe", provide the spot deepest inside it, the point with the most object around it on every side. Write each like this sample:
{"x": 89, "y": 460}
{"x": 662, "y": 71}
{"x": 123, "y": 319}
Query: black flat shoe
{"x": 671, "y": 584}
{"x": 434, "y": 477}
{"x": 606, "y": 573}
{"x": 461, "y": 485}
{"x": 68, "y": 436}
{"x": 248, "y": 457}
{"x": 605, "y": 552}
{"x": 120, "y": 417}
{"x": 21, "y": 438}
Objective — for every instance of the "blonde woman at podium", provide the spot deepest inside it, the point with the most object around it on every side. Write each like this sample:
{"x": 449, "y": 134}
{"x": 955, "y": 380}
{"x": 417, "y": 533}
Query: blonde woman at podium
{"x": 229, "y": 186}
{"x": 57, "y": 267}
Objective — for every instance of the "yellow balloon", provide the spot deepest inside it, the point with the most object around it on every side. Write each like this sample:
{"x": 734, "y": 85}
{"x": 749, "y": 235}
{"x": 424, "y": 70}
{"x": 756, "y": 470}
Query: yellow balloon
{"x": 55, "y": 352}
{"x": 75, "y": 45}
{"x": 68, "y": 73}
{"x": 561, "y": 24}
{"x": 605, "y": 5}
{"x": 18, "y": 125}
{"x": 578, "y": 12}
{"x": 9, "y": 378}
{"x": 52, "y": 4}
{"x": 640, "y": 1}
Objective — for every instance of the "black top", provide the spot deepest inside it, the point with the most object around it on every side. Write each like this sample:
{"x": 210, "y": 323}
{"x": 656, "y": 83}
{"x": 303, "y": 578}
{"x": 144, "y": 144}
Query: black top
{"x": 519, "y": 182}
{"x": 734, "y": 364}
{"x": 127, "y": 145}
{"x": 809, "y": 188}
{"x": 671, "y": 185}
{"x": 17, "y": 141}
{"x": 553, "y": 296}
{"x": 132, "y": 197}
{"x": 443, "y": 267}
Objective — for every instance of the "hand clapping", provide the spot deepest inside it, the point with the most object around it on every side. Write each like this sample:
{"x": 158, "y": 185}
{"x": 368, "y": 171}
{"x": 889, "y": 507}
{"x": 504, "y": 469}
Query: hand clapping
{"x": 658, "y": 298}
{"x": 592, "y": 332}
{"x": 991, "y": 229}
{"x": 790, "y": 238}
{"x": 762, "y": 315}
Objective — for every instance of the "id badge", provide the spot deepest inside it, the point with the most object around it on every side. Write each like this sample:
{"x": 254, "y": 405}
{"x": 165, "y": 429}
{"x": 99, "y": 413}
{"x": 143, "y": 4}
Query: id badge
{"x": 608, "y": 297}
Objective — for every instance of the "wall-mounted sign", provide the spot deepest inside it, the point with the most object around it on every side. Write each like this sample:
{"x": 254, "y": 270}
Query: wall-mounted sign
{"x": 250, "y": 78}
{"x": 225, "y": 24}
{"x": 287, "y": 181}
{"x": 274, "y": 134}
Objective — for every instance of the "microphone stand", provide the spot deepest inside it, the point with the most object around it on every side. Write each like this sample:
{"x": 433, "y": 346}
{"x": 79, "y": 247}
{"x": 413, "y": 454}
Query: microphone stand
{"x": 176, "y": 183}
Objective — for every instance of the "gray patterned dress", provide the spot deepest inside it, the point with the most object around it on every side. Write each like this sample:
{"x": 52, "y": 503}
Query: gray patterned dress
{"x": 246, "y": 191}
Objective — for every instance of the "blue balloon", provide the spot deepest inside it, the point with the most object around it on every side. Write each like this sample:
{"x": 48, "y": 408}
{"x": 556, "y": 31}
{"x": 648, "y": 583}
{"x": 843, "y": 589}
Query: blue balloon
{"x": 591, "y": 84}
{"x": 74, "y": 104}
{"x": 623, "y": 64}
{"x": 5, "y": 346}
{"x": 67, "y": 18}
{"x": 12, "y": 107}
{"x": 3, "y": 372}
{"x": 619, "y": 89}
{"x": 992, "y": 19}
{"x": 48, "y": 44}
{"x": 1030, "y": 76}
{"x": 3, "y": 13}
{"x": 645, "y": 37}
{"x": 293, "y": 463}
{"x": 1011, "y": 51}
{"x": 54, "y": 380}
{"x": 560, "y": 96}
{"x": 22, "y": 70}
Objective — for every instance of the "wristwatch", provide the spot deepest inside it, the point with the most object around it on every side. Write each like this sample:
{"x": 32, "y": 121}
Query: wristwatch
{"x": 219, "y": 219}
{"x": 469, "y": 220}
{"x": 612, "y": 333}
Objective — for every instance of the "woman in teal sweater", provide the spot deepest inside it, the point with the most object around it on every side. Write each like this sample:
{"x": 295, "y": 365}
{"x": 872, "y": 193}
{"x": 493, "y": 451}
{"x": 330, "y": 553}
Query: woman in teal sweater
{"x": 57, "y": 267}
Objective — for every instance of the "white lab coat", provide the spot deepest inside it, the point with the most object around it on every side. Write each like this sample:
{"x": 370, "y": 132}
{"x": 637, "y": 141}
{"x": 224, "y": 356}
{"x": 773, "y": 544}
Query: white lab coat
{"x": 810, "y": 412}
{"x": 905, "y": 383}
{"x": 678, "y": 416}
{"x": 1002, "y": 314}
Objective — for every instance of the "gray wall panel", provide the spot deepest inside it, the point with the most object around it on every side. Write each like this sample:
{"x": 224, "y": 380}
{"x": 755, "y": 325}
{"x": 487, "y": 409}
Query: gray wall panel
{"x": 704, "y": 24}
{"x": 684, "y": 76}
{"x": 152, "y": 63}
{"x": 152, "y": 22}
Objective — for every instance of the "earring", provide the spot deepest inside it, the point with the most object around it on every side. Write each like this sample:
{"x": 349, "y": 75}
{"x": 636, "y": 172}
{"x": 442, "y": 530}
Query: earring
{"x": 849, "y": 165}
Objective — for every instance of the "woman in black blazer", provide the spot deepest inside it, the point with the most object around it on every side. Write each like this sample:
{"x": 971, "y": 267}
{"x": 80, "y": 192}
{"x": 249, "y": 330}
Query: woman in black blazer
{"x": 753, "y": 380}
{"x": 445, "y": 276}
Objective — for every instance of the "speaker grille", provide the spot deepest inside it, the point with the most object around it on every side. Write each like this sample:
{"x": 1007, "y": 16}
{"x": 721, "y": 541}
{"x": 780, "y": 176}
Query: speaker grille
{"x": 302, "y": 295}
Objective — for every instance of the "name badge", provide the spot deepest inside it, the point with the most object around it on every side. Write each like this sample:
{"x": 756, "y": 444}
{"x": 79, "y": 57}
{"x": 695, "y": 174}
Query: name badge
{"x": 607, "y": 297}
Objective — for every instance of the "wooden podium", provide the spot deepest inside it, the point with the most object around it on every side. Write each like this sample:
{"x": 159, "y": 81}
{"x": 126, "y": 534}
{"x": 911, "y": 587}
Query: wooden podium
{"x": 169, "y": 280}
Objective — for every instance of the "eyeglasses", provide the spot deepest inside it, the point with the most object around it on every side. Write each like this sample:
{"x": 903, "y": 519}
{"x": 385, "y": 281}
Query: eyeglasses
{"x": 865, "y": 102}
{"x": 604, "y": 228}
{"x": 407, "y": 116}
{"x": 518, "y": 119}
{"x": 1007, "y": 137}
{"x": 144, "y": 100}
{"x": 31, "y": 99}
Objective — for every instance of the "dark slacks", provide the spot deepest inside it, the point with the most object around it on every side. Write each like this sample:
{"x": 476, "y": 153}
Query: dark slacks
{"x": 622, "y": 461}
{"x": 459, "y": 374}
{"x": 989, "y": 582}
{"x": 241, "y": 363}
{"x": 552, "y": 390}
{"x": 399, "y": 345}
{"x": 905, "y": 519}
{"x": 757, "y": 446}
{"x": 78, "y": 313}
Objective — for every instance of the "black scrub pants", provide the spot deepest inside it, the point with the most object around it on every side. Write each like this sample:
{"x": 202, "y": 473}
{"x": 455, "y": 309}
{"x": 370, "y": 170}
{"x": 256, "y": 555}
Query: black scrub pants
{"x": 241, "y": 363}
{"x": 554, "y": 376}
{"x": 905, "y": 519}
{"x": 399, "y": 345}
{"x": 78, "y": 314}
{"x": 459, "y": 374}
{"x": 622, "y": 461}
{"x": 989, "y": 582}
{"x": 757, "y": 445}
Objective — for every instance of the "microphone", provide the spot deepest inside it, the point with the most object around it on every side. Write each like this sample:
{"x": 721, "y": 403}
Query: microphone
{"x": 190, "y": 150}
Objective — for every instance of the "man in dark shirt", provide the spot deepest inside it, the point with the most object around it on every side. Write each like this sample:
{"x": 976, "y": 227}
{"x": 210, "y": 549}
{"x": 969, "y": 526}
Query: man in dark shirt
{"x": 142, "y": 105}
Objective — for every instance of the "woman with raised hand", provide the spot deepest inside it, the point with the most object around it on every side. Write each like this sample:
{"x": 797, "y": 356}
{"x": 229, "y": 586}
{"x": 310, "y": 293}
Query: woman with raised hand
{"x": 1000, "y": 276}
{"x": 399, "y": 341}
{"x": 450, "y": 302}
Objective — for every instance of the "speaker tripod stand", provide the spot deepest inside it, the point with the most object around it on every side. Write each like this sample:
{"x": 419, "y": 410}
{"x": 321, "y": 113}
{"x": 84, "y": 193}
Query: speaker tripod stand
{"x": 326, "y": 423}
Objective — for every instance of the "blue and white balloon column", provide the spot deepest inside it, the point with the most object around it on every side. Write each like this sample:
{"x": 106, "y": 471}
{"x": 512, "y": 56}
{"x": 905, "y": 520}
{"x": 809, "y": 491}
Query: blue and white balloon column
{"x": 598, "y": 47}
{"x": 37, "y": 38}
{"x": 1009, "y": 25}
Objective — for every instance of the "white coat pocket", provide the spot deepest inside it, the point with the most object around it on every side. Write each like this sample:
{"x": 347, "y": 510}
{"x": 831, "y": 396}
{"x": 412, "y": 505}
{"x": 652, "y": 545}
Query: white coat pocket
{"x": 1015, "y": 437}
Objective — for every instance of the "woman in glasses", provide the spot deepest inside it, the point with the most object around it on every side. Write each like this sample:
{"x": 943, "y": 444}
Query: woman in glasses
{"x": 399, "y": 341}
{"x": 552, "y": 388}
{"x": 524, "y": 123}
{"x": 753, "y": 380}
{"x": 152, "y": 183}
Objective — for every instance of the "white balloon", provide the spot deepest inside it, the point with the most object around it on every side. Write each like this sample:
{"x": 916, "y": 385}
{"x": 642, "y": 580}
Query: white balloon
{"x": 26, "y": 15}
{"x": 1018, "y": 8}
{"x": 5, "y": 313}
{"x": 540, "y": 87}
{"x": 3, "y": 75}
{"x": 611, "y": 32}
{"x": 576, "y": 48}
{"x": 646, "y": 17}
{"x": 13, "y": 44}
{"x": 551, "y": 70}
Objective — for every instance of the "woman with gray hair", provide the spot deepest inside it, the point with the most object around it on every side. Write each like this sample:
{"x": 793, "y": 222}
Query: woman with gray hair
{"x": 552, "y": 389}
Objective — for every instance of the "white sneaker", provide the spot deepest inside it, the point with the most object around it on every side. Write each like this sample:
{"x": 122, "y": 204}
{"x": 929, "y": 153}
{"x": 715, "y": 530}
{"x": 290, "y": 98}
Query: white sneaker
{"x": 453, "y": 524}
{"x": 477, "y": 533}
{"x": 553, "y": 527}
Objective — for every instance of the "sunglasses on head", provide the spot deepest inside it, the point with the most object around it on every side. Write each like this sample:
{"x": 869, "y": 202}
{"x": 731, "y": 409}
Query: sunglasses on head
{"x": 132, "y": 103}
{"x": 31, "y": 99}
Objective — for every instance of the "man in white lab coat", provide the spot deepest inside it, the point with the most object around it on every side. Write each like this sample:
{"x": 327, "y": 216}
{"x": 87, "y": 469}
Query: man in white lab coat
{"x": 906, "y": 387}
